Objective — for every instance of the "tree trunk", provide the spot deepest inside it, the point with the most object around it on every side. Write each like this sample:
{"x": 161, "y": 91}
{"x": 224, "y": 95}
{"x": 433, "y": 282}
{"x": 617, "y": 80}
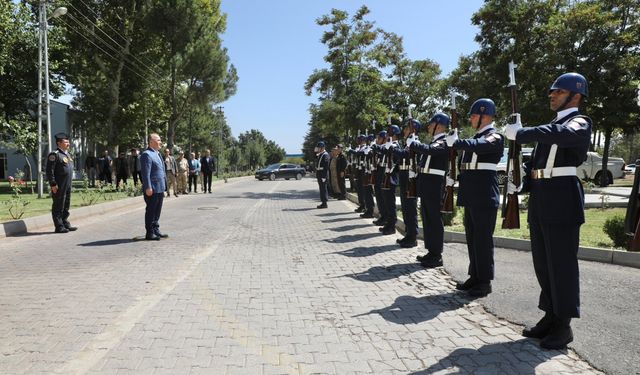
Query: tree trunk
{"x": 604, "y": 179}
{"x": 171, "y": 131}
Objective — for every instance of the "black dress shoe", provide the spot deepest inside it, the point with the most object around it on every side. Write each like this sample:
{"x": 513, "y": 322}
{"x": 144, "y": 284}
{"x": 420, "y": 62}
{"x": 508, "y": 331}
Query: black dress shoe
{"x": 541, "y": 329}
{"x": 367, "y": 215}
{"x": 151, "y": 237}
{"x": 409, "y": 244}
{"x": 559, "y": 336}
{"x": 71, "y": 229}
{"x": 62, "y": 230}
{"x": 324, "y": 205}
{"x": 401, "y": 240}
{"x": 161, "y": 235}
{"x": 359, "y": 209}
{"x": 470, "y": 283}
{"x": 431, "y": 261}
{"x": 388, "y": 231}
{"x": 480, "y": 290}
{"x": 378, "y": 222}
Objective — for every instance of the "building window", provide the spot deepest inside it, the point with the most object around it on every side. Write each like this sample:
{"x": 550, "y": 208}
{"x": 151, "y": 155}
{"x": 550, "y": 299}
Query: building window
{"x": 3, "y": 166}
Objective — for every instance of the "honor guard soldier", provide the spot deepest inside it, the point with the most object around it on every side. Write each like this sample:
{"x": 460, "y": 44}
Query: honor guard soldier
{"x": 367, "y": 169}
{"x": 556, "y": 207}
{"x": 59, "y": 175}
{"x": 390, "y": 181}
{"x": 322, "y": 170}
{"x": 380, "y": 160}
{"x": 359, "y": 171}
{"x": 431, "y": 181}
{"x": 409, "y": 205}
{"x": 479, "y": 194}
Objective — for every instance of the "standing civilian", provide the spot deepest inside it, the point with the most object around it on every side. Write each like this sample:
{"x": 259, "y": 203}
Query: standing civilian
{"x": 208, "y": 166}
{"x": 105, "y": 168}
{"x": 171, "y": 172}
{"x": 134, "y": 165}
{"x": 183, "y": 173}
{"x": 153, "y": 184}
{"x": 122, "y": 169}
{"x": 194, "y": 171}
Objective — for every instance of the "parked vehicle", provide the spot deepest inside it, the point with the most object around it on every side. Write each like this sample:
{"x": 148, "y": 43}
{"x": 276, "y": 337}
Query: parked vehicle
{"x": 501, "y": 168}
{"x": 281, "y": 170}
{"x": 591, "y": 169}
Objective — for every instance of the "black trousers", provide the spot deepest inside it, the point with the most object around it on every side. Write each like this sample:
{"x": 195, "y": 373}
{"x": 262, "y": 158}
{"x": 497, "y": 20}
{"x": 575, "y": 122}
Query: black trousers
{"x": 479, "y": 224}
{"x": 359, "y": 176}
{"x": 136, "y": 176}
{"x": 343, "y": 188}
{"x": 377, "y": 191}
{"x": 60, "y": 206}
{"x": 554, "y": 247}
{"x": 152, "y": 212}
{"x": 120, "y": 177}
{"x": 409, "y": 207}
{"x": 206, "y": 180}
{"x": 324, "y": 192}
{"x": 193, "y": 180}
{"x": 432, "y": 224}
{"x": 367, "y": 196}
{"x": 389, "y": 199}
{"x": 105, "y": 176}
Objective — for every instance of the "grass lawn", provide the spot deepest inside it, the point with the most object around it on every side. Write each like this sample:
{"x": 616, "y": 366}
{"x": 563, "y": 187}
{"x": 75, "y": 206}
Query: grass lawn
{"x": 591, "y": 233}
{"x": 42, "y": 206}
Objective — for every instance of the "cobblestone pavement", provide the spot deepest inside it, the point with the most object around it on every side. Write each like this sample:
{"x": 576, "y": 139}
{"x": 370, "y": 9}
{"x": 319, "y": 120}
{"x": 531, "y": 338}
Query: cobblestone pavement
{"x": 254, "y": 280}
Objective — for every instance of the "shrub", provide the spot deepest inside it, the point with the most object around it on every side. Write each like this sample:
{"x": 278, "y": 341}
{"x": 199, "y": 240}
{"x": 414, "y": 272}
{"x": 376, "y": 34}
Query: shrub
{"x": 614, "y": 228}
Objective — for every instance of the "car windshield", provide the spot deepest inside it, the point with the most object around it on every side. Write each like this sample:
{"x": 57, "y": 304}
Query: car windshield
{"x": 273, "y": 166}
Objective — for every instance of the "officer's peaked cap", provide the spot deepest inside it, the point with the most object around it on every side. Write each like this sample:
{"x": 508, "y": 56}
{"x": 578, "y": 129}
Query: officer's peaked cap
{"x": 483, "y": 106}
{"x": 573, "y": 82}
{"x": 440, "y": 119}
{"x": 61, "y": 136}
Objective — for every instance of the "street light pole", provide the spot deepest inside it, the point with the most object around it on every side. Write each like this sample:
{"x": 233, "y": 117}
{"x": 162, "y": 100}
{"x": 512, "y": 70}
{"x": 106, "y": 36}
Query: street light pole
{"x": 43, "y": 93}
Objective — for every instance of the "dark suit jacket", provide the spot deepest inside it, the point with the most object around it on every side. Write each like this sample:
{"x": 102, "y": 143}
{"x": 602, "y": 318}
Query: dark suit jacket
{"x": 208, "y": 164}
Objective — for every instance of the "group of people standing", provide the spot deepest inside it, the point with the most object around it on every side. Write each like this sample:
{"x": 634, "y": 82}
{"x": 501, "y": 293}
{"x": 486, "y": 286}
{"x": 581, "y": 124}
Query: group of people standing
{"x": 183, "y": 173}
{"x": 384, "y": 166}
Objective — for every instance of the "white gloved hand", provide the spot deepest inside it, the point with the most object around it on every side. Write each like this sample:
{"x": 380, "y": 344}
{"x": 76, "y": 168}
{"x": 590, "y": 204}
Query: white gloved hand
{"x": 512, "y": 188}
{"x": 511, "y": 131}
{"x": 387, "y": 145}
{"x": 387, "y": 170}
{"x": 412, "y": 174}
{"x": 450, "y": 181}
{"x": 410, "y": 140}
{"x": 452, "y": 138}
{"x": 324, "y": 180}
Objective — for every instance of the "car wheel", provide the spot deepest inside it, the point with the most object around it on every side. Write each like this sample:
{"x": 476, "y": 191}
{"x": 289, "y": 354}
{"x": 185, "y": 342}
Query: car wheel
{"x": 286, "y": 178}
{"x": 259, "y": 179}
{"x": 272, "y": 177}
{"x": 502, "y": 178}
{"x": 298, "y": 176}
{"x": 609, "y": 181}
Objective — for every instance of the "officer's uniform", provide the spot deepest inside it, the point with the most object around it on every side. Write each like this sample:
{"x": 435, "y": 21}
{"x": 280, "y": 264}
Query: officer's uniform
{"x": 408, "y": 205}
{"x": 367, "y": 190}
{"x": 359, "y": 168}
{"x": 556, "y": 207}
{"x": 479, "y": 195}
{"x": 59, "y": 170}
{"x": 380, "y": 160}
{"x": 434, "y": 159}
{"x": 322, "y": 171}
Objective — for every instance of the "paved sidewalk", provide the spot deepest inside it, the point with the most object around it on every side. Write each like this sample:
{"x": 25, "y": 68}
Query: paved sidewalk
{"x": 254, "y": 280}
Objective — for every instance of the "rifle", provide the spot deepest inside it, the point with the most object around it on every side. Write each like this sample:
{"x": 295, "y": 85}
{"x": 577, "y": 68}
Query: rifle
{"x": 386, "y": 184}
{"x": 510, "y": 205}
{"x": 412, "y": 187}
{"x": 447, "y": 202}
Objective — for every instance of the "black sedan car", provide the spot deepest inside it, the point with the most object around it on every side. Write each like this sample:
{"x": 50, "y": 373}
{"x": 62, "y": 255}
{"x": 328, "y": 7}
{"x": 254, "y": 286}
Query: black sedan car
{"x": 281, "y": 170}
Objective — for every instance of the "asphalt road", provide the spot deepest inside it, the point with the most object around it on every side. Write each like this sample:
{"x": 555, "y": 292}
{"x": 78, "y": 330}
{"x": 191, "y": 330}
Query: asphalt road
{"x": 607, "y": 335}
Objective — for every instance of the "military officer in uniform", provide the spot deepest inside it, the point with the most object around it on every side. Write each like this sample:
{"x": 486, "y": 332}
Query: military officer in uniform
{"x": 322, "y": 170}
{"x": 408, "y": 204}
{"x": 59, "y": 175}
{"x": 367, "y": 189}
{"x": 391, "y": 177}
{"x": 479, "y": 194}
{"x": 556, "y": 207}
{"x": 379, "y": 151}
{"x": 359, "y": 168}
{"x": 431, "y": 181}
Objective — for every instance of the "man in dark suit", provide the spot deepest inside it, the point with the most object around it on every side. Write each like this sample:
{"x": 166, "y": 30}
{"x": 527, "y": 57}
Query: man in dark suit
{"x": 59, "y": 175}
{"x": 208, "y": 166}
{"x": 322, "y": 169}
{"x": 154, "y": 186}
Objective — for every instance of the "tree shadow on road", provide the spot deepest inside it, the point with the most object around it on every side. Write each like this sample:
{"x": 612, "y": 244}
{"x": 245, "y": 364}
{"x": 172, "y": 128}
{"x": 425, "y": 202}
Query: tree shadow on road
{"x": 346, "y": 228}
{"x": 516, "y": 357}
{"x": 382, "y": 273}
{"x": 352, "y": 237}
{"x": 415, "y": 310}
{"x": 363, "y": 251}
{"x": 115, "y": 241}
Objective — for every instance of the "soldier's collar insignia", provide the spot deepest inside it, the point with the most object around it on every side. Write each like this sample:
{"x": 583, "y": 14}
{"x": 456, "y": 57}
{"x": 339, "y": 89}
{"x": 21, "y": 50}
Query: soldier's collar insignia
{"x": 65, "y": 159}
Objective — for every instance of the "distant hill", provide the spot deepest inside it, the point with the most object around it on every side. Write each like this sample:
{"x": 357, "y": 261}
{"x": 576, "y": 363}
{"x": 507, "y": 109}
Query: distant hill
{"x": 294, "y": 155}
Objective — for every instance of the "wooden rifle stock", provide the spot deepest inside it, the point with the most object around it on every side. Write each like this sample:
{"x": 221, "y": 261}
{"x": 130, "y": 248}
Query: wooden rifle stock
{"x": 510, "y": 204}
{"x": 447, "y": 202}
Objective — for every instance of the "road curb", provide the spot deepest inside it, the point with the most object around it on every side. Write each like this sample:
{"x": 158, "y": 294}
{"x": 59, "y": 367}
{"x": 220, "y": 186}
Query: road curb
{"x": 19, "y": 227}
{"x": 594, "y": 254}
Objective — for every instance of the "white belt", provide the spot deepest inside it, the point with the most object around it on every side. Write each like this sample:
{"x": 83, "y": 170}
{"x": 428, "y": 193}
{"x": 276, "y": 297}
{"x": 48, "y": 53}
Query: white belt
{"x": 478, "y": 166}
{"x": 537, "y": 174}
{"x": 437, "y": 172}
{"x": 404, "y": 168}
{"x": 320, "y": 169}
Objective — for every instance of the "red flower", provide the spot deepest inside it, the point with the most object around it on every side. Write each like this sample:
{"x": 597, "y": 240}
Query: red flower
{"x": 11, "y": 178}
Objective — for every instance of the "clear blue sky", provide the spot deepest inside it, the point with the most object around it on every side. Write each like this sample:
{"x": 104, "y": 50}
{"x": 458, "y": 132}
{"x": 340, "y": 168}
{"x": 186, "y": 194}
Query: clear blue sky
{"x": 275, "y": 45}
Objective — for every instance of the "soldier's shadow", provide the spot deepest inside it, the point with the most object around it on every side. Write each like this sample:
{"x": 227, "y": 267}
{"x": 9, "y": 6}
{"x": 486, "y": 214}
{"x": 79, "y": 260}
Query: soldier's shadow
{"x": 382, "y": 273}
{"x": 517, "y": 357}
{"x": 329, "y": 214}
{"x": 115, "y": 241}
{"x": 346, "y": 228}
{"x": 362, "y": 251}
{"x": 337, "y": 220}
{"x": 352, "y": 237}
{"x": 299, "y": 209}
{"x": 415, "y": 310}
